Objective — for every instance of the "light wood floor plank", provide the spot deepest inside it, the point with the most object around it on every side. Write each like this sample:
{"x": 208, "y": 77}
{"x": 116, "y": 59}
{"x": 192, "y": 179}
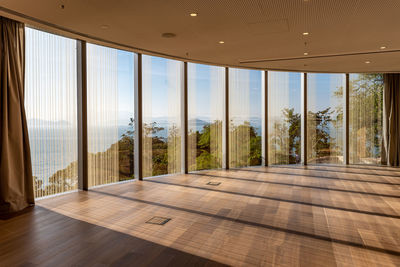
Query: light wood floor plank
{"x": 260, "y": 216}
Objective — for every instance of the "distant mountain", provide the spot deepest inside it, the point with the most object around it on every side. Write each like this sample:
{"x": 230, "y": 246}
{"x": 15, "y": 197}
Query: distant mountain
{"x": 198, "y": 122}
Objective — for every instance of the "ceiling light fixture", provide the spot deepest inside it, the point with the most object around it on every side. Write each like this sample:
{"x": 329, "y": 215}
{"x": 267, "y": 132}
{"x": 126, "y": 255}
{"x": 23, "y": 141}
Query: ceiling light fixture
{"x": 221, "y": 42}
{"x": 193, "y": 14}
{"x": 305, "y": 33}
{"x": 305, "y": 53}
{"x": 168, "y": 35}
{"x": 383, "y": 47}
{"x": 367, "y": 62}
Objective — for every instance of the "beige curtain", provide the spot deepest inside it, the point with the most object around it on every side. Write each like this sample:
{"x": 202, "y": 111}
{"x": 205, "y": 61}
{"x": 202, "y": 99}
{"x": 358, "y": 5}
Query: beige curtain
{"x": 16, "y": 185}
{"x": 391, "y": 120}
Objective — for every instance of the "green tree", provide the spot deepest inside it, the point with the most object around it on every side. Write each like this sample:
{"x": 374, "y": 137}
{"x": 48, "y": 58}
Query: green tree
{"x": 366, "y": 110}
{"x": 246, "y": 150}
{"x": 126, "y": 146}
{"x": 320, "y": 139}
{"x": 285, "y": 138}
{"x": 159, "y": 146}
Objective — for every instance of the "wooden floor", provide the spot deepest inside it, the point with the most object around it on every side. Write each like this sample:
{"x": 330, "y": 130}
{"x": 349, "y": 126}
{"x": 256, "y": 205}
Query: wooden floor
{"x": 283, "y": 216}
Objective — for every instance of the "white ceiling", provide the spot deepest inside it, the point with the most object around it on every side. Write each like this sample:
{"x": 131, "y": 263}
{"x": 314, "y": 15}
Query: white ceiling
{"x": 257, "y": 33}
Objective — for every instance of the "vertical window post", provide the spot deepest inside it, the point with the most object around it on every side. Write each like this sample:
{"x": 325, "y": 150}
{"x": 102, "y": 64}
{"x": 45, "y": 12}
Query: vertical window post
{"x": 82, "y": 116}
{"x": 264, "y": 125}
{"x": 184, "y": 119}
{"x": 304, "y": 118}
{"x": 138, "y": 152}
{"x": 225, "y": 123}
{"x": 346, "y": 117}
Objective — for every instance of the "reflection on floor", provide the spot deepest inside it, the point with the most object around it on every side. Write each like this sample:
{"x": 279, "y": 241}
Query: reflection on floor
{"x": 283, "y": 215}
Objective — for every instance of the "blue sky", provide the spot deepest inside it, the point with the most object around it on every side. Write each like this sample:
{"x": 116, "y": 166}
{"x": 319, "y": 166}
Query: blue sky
{"x": 320, "y": 95}
{"x": 203, "y": 90}
{"x": 206, "y": 87}
{"x": 126, "y": 103}
{"x": 321, "y": 88}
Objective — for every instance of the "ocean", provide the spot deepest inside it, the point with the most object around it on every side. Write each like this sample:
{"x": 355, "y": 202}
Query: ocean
{"x": 54, "y": 148}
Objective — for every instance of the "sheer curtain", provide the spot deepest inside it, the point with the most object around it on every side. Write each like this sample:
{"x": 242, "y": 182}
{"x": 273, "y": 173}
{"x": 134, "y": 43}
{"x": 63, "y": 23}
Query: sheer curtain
{"x": 102, "y": 87}
{"x": 206, "y": 85}
{"x": 245, "y": 90}
{"x": 162, "y": 87}
{"x": 284, "y": 120}
{"x": 365, "y": 118}
{"x": 51, "y": 110}
{"x": 325, "y": 125}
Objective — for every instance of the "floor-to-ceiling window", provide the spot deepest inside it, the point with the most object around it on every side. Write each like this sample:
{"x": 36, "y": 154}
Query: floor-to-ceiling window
{"x": 206, "y": 86}
{"x": 162, "y": 88}
{"x": 284, "y": 117}
{"x": 51, "y": 108}
{"x": 110, "y": 106}
{"x": 51, "y": 111}
{"x": 365, "y": 118}
{"x": 245, "y": 108}
{"x": 325, "y": 124}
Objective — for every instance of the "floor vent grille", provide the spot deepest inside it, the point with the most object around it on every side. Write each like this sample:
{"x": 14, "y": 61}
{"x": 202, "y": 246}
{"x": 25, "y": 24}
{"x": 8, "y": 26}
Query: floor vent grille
{"x": 158, "y": 220}
{"x": 214, "y": 183}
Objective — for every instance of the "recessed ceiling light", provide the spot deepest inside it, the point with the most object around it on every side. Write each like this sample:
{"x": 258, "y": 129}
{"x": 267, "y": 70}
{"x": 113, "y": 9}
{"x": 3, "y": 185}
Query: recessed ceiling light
{"x": 193, "y": 14}
{"x": 383, "y": 47}
{"x": 221, "y": 42}
{"x": 104, "y": 27}
{"x": 367, "y": 62}
{"x": 305, "y": 53}
{"x": 305, "y": 33}
{"x": 168, "y": 35}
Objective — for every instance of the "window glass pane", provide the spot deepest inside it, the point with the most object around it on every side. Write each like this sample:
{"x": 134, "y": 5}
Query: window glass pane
{"x": 162, "y": 82}
{"x": 245, "y": 91}
{"x": 110, "y": 105}
{"x": 365, "y": 118}
{"x": 325, "y": 130}
{"x": 284, "y": 122}
{"x": 51, "y": 111}
{"x": 206, "y": 86}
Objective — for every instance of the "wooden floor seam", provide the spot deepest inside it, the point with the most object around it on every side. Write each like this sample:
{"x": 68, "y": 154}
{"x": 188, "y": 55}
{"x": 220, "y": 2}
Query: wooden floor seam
{"x": 299, "y": 185}
{"x": 277, "y": 199}
{"x": 324, "y": 238}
